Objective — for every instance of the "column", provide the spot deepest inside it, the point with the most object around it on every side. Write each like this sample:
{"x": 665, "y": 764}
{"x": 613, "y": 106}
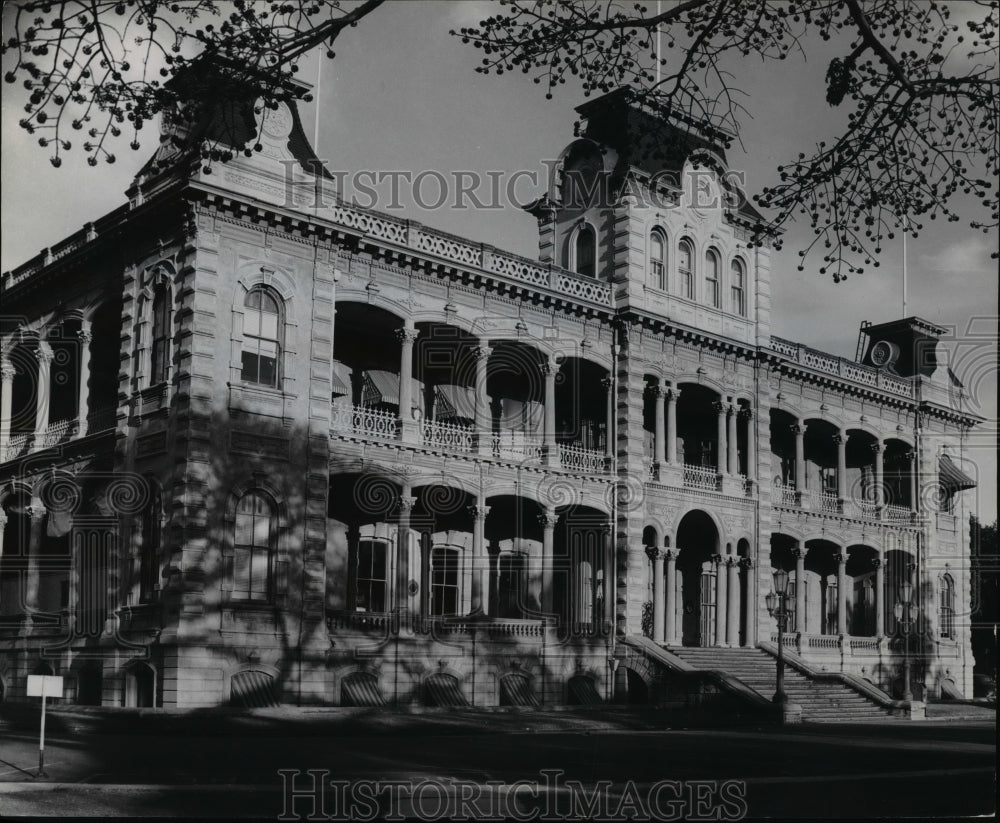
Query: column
{"x": 37, "y": 514}
{"x": 751, "y": 445}
{"x": 721, "y": 451}
{"x": 733, "y": 607}
{"x": 42, "y": 388}
{"x": 672, "y": 397}
{"x": 912, "y": 458}
{"x": 659, "y": 603}
{"x": 734, "y": 460}
{"x": 670, "y": 555}
{"x": 484, "y": 416}
{"x": 800, "y": 457}
{"x": 549, "y": 370}
{"x": 609, "y": 426}
{"x": 480, "y": 559}
{"x": 406, "y": 336}
{"x": 749, "y": 605}
{"x": 7, "y": 372}
{"x": 85, "y": 337}
{"x": 800, "y": 589}
{"x": 406, "y": 501}
{"x": 721, "y": 591}
{"x": 659, "y": 426}
{"x": 878, "y": 449}
{"x": 879, "y": 597}
{"x": 841, "y": 441}
{"x": 610, "y": 571}
{"x": 842, "y": 593}
{"x": 548, "y": 520}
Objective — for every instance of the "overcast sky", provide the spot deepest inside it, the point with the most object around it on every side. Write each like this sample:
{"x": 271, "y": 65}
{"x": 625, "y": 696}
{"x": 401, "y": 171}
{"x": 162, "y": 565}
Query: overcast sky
{"x": 403, "y": 95}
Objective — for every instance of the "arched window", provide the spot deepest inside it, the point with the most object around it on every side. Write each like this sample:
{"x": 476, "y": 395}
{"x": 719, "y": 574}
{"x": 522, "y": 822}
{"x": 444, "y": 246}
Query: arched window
{"x": 738, "y": 286}
{"x": 160, "y": 359}
{"x": 946, "y": 612}
{"x": 658, "y": 260}
{"x": 685, "y": 269}
{"x": 261, "y": 337}
{"x": 444, "y": 581}
{"x": 253, "y": 548}
{"x": 372, "y": 576}
{"x": 149, "y": 550}
{"x": 16, "y": 523}
{"x": 585, "y": 251}
{"x": 712, "y": 272}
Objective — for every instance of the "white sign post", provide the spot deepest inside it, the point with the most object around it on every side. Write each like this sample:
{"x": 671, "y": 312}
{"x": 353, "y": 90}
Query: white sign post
{"x": 43, "y": 685}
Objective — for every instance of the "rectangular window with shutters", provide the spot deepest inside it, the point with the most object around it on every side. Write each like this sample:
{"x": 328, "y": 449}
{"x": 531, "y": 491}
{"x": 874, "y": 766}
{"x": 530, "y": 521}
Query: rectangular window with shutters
{"x": 444, "y": 581}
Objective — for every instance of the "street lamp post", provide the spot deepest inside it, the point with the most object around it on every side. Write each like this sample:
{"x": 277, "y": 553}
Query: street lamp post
{"x": 905, "y": 621}
{"x": 776, "y": 601}
{"x": 776, "y": 608}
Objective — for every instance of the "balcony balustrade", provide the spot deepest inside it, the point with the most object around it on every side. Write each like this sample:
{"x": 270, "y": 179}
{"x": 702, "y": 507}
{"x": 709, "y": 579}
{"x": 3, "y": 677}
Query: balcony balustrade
{"x": 577, "y": 458}
{"x": 829, "y": 503}
{"x": 59, "y": 432}
{"x": 365, "y": 422}
{"x": 700, "y": 477}
{"x": 56, "y": 433}
{"x": 787, "y": 495}
{"x": 513, "y": 445}
{"x": 898, "y": 513}
{"x": 17, "y": 445}
{"x": 449, "y": 436}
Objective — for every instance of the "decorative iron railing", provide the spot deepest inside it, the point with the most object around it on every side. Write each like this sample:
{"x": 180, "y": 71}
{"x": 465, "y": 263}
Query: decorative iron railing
{"x": 898, "y": 513}
{"x": 365, "y": 422}
{"x": 700, "y": 477}
{"x": 57, "y": 432}
{"x": 514, "y": 445}
{"x": 449, "y": 436}
{"x": 577, "y": 458}
{"x": 102, "y": 419}
{"x": 787, "y": 495}
{"x": 828, "y": 503}
{"x": 848, "y": 369}
{"x": 16, "y": 445}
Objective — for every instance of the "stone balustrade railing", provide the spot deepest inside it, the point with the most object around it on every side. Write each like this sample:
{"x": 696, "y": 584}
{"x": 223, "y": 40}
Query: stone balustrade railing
{"x": 847, "y": 369}
{"x": 808, "y": 642}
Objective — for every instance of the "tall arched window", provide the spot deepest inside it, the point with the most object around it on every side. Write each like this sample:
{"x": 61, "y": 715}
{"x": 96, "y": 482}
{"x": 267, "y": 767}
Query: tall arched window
{"x": 253, "y": 548}
{"x": 261, "y": 337}
{"x": 946, "y": 611}
{"x": 585, "y": 251}
{"x": 738, "y": 286}
{"x": 658, "y": 260}
{"x": 160, "y": 358}
{"x": 712, "y": 273}
{"x": 149, "y": 551}
{"x": 444, "y": 581}
{"x": 685, "y": 269}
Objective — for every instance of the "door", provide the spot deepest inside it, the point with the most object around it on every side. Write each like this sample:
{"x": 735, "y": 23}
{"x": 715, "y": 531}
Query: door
{"x": 706, "y": 606}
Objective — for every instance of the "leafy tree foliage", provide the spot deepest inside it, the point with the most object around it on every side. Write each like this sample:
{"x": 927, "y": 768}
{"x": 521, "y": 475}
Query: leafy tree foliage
{"x": 105, "y": 67}
{"x": 920, "y": 137}
{"x": 923, "y": 94}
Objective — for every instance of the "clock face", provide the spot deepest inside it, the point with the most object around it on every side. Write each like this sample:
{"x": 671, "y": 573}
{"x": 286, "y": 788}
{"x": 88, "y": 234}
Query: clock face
{"x": 881, "y": 353}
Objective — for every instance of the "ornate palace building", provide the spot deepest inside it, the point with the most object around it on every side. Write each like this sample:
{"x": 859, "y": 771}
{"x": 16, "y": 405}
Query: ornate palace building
{"x": 260, "y": 446}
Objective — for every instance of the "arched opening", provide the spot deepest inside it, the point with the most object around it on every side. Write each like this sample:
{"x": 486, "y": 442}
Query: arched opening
{"x": 860, "y": 459}
{"x": 782, "y": 438}
{"x": 23, "y": 356}
{"x": 515, "y": 690}
{"x": 862, "y": 580}
{"x": 64, "y": 379}
{"x": 697, "y": 427}
{"x": 445, "y": 365}
{"x": 367, "y": 348}
{"x": 517, "y": 391}
{"x": 820, "y": 453}
{"x": 698, "y": 542}
{"x": 585, "y": 251}
{"x": 685, "y": 269}
{"x": 746, "y": 577}
{"x": 513, "y": 535}
{"x": 580, "y": 570}
{"x": 897, "y": 468}
{"x": 253, "y": 689}
{"x": 140, "y": 686}
{"x": 581, "y": 407}
{"x": 820, "y": 586}
{"x": 658, "y": 259}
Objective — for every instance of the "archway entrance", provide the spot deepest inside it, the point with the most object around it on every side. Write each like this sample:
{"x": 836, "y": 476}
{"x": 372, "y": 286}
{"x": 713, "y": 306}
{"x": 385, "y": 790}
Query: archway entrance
{"x": 698, "y": 541}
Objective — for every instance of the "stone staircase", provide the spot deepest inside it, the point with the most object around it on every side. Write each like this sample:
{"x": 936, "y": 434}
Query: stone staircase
{"x": 821, "y": 702}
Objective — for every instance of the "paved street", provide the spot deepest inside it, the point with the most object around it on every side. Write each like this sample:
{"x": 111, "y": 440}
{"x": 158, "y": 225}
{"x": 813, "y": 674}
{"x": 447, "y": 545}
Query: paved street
{"x": 882, "y": 769}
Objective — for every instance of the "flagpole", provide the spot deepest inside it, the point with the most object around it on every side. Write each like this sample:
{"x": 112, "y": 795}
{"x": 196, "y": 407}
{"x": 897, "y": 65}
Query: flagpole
{"x": 904, "y": 274}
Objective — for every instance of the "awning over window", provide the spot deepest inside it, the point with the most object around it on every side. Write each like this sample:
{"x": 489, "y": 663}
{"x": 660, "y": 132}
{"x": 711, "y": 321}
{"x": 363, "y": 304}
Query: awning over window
{"x": 253, "y": 690}
{"x": 341, "y": 380}
{"x": 515, "y": 690}
{"x": 952, "y": 477}
{"x": 443, "y": 690}
{"x": 455, "y": 401}
{"x": 381, "y": 387}
{"x": 582, "y": 691}
{"x": 361, "y": 689}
